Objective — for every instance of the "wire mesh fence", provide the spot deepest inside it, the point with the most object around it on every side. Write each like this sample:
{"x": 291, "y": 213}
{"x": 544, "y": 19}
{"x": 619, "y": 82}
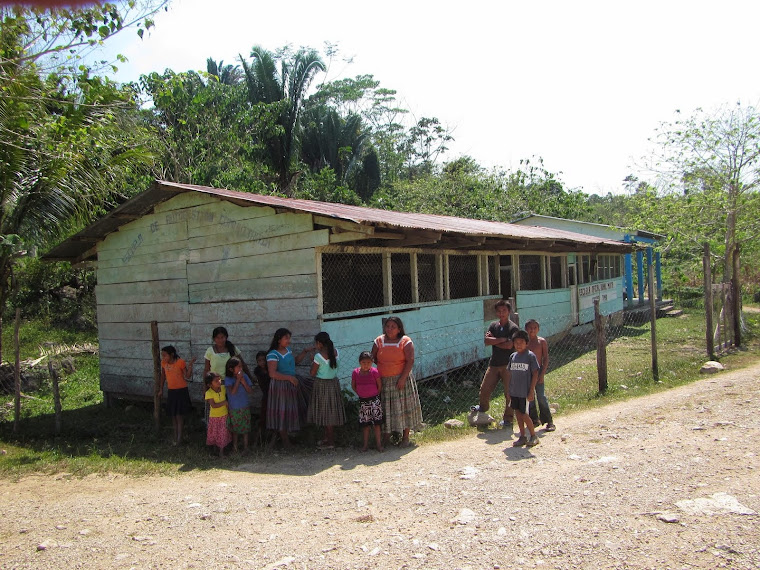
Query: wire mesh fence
{"x": 572, "y": 376}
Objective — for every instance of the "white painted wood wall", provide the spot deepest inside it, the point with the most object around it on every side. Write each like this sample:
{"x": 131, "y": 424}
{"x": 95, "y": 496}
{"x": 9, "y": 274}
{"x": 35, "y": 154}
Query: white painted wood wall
{"x": 196, "y": 263}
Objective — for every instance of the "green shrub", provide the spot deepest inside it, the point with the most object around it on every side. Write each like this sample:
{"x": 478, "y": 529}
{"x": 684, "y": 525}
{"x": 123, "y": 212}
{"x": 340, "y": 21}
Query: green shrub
{"x": 55, "y": 292}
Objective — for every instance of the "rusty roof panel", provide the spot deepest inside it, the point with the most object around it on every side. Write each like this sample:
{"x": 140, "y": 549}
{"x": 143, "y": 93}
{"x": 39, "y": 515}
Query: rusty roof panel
{"x": 76, "y": 246}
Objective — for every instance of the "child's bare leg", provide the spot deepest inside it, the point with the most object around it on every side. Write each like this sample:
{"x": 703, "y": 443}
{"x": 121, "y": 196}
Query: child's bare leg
{"x": 529, "y": 423}
{"x": 178, "y": 431}
{"x": 365, "y": 435}
{"x": 386, "y": 439}
{"x": 330, "y": 435}
{"x": 221, "y": 451}
{"x": 405, "y": 438}
{"x": 378, "y": 443}
{"x": 285, "y": 439}
{"x": 245, "y": 442}
{"x": 234, "y": 442}
{"x": 521, "y": 423}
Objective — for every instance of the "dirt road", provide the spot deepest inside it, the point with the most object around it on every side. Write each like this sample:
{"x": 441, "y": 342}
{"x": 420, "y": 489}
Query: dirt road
{"x": 666, "y": 481}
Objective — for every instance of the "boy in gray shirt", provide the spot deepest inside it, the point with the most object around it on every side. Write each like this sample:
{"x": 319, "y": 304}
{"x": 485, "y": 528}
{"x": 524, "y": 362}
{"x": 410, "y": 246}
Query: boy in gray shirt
{"x": 522, "y": 373}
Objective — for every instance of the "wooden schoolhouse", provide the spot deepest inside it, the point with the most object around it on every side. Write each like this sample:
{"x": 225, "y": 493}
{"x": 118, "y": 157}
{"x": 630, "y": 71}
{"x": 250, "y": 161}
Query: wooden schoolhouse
{"x": 193, "y": 258}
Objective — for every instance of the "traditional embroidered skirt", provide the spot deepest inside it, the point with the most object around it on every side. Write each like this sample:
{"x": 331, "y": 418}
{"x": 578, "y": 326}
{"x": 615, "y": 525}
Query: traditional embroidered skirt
{"x": 370, "y": 411}
{"x": 287, "y": 404}
{"x": 326, "y": 405}
{"x": 402, "y": 408}
{"x": 217, "y": 433}
{"x": 239, "y": 421}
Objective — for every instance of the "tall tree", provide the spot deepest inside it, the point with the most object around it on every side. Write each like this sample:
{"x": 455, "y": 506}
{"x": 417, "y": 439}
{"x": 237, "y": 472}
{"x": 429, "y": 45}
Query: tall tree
{"x": 282, "y": 76}
{"x": 710, "y": 161}
{"x": 224, "y": 74}
{"x": 208, "y": 132}
{"x": 67, "y": 140}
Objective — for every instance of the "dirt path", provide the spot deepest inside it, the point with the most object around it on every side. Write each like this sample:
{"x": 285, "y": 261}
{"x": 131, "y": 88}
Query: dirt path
{"x": 597, "y": 493}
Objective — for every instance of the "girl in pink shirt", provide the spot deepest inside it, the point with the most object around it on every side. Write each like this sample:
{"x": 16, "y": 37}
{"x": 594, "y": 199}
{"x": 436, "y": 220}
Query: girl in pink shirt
{"x": 367, "y": 384}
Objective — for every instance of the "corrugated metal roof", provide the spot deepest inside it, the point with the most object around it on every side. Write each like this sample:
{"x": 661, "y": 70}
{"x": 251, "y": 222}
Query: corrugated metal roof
{"x": 77, "y": 246}
{"x": 539, "y": 217}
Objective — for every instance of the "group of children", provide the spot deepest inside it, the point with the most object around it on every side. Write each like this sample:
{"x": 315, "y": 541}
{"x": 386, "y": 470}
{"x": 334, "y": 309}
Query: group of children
{"x": 288, "y": 400}
{"x": 525, "y": 377}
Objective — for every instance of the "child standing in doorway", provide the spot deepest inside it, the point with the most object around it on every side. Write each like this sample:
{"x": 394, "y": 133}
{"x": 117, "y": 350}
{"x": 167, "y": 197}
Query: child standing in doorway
{"x": 217, "y": 433}
{"x": 538, "y": 346}
{"x": 522, "y": 376}
{"x": 366, "y": 382}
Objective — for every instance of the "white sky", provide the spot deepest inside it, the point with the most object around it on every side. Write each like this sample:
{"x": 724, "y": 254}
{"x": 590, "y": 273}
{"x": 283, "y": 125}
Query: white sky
{"x": 582, "y": 84}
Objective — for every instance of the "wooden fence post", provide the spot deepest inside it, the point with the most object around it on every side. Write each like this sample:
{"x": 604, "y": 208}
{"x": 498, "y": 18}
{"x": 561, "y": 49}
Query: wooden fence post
{"x": 17, "y": 374}
{"x": 156, "y": 374}
{"x": 653, "y": 323}
{"x": 56, "y": 396}
{"x": 737, "y": 299}
{"x": 601, "y": 347}
{"x": 708, "y": 302}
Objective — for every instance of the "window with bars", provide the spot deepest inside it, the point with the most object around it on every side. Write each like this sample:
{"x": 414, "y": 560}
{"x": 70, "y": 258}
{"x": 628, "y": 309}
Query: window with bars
{"x": 530, "y": 272}
{"x": 351, "y": 281}
{"x": 401, "y": 278}
{"x": 463, "y": 276}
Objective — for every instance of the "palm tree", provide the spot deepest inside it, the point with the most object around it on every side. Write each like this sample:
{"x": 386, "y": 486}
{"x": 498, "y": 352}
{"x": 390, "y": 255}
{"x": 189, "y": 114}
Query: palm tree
{"x": 287, "y": 85}
{"x": 225, "y": 74}
{"x": 327, "y": 139}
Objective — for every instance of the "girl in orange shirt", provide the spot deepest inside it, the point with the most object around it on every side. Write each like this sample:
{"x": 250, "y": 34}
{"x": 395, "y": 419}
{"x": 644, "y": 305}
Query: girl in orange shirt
{"x": 175, "y": 373}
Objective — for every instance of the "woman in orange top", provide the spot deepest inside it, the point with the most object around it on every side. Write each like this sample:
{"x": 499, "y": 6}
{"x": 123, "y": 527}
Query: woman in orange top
{"x": 175, "y": 373}
{"x": 393, "y": 352}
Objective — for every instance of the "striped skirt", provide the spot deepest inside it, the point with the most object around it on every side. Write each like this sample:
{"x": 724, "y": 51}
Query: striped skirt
{"x": 287, "y": 404}
{"x": 402, "y": 408}
{"x": 326, "y": 405}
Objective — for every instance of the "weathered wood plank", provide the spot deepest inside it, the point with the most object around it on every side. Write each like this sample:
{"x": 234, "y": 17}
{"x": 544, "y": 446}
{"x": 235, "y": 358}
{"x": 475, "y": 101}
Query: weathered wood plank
{"x": 139, "y": 368}
{"x": 295, "y": 286}
{"x": 230, "y": 230}
{"x": 156, "y": 254}
{"x": 142, "y": 273}
{"x": 186, "y": 200}
{"x": 296, "y": 262}
{"x": 139, "y": 387}
{"x": 257, "y": 334}
{"x": 119, "y": 255}
{"x": 287, "y": 242}
{"x": 168, "y": 332}
{"x": 135, "y": 238}
{"x": 264, "y": 310}
{"x": 164, "y": 291}
{"x": 143, "y": 313}
{"x": 136, "y": 349}
{"x": 125, "y": 384}
{"x": 220, "y": 213}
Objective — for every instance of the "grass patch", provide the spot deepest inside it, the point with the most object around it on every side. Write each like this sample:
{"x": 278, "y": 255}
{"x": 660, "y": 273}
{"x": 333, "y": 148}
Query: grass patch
{"x": 122, "y": 439}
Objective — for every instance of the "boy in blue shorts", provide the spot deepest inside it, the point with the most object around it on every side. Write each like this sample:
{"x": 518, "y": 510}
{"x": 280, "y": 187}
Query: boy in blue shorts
{"x": 522, "y": 374}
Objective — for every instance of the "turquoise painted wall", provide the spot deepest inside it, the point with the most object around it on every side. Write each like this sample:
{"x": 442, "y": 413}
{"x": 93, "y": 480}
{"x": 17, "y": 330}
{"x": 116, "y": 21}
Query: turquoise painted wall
{"x": 550, "y": 308}
{"x": 444, "y": 336}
